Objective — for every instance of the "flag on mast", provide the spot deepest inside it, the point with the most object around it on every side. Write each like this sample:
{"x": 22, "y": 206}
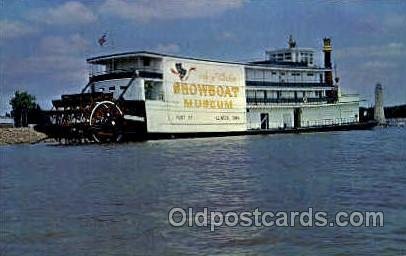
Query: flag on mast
{"x": 102, "y": 40}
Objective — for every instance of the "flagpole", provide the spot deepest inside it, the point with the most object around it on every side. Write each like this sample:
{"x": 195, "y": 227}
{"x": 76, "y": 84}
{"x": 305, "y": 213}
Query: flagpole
{"x": 112, "y": 41}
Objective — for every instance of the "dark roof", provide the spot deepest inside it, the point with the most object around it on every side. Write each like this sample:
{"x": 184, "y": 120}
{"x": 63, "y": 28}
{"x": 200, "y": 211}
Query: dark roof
{"x": 131, "y": 54}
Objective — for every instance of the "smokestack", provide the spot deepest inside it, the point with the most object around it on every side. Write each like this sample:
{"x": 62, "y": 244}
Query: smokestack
{"x": 379, "y": 114}
{"x": 291, "y": 43}
{"x": 327, "y": 60}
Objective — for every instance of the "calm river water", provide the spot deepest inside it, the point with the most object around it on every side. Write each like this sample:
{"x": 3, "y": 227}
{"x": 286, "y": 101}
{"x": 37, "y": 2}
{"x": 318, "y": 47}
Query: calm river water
{"x": 114, "y": 199}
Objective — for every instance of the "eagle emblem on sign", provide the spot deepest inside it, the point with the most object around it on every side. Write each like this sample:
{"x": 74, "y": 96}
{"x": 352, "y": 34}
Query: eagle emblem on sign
{"x": 182, "y": 72}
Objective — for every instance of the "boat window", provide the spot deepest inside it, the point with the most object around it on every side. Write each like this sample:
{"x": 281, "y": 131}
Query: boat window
{"x": 250, "y": 94}
{"x": 112, "y": 88}
{"x": 268, "y": 75}
{"x": 146, "y": 62}
{"x": 288, "y": 94}
{"x": 153, "y": 90}
{"x": 310, "y": 94}
{"x": 272, "y": 95}
{"x": 260, "y": 94}
{"x": 250, "y": 74}
{"x": 259, "y": 74}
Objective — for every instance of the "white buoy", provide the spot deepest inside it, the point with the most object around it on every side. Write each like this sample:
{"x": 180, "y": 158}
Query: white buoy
{"x": 379, "y": 114}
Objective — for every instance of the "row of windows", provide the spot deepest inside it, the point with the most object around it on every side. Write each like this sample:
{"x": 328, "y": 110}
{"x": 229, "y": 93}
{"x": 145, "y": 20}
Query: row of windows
{"x": 289, "y": 54}
{"x": 296, "y": 74}
{"x": 275, "y": 73}
{"x": 303, "y": 57}
{"x": 110, "y": 88}
{"x": 143, "y": 62}
{"x": 270, "y": 94}
{"x": 261, "y": 75}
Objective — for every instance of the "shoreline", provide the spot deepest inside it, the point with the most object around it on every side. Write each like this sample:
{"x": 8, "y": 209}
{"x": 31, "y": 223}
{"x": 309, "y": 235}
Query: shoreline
{"x": 23, "y": 135}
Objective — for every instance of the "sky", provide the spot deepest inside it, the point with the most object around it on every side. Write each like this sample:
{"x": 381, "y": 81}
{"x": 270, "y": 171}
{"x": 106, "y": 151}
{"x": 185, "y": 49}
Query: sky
{"x": 44, "y": 44}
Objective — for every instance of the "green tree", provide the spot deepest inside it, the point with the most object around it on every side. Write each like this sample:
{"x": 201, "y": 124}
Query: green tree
{"x": 22, "y": 105}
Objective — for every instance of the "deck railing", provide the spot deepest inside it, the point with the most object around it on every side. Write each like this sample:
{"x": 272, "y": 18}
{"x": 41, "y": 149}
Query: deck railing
{"x": 264, "y": 101}
{"x": 328, "y": 122}
{"x": 304, "y": 124}
{"x": 292, "y": 83}
{"x": 128, "y": 70}
{"x": 125, "y": 73}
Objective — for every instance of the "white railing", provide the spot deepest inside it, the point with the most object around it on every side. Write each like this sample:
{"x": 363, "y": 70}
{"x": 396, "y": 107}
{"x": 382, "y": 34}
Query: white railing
{"x": 328, "y": 122}
{"x": 304, "y": 124}
{"x": 117, "y": 71}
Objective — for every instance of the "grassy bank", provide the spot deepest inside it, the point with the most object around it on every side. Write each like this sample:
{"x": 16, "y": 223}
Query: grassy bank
{"x": 19, "y": 135}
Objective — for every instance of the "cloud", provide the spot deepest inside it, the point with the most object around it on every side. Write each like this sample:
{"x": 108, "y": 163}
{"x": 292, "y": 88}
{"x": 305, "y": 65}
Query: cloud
{"x": 60, "y": 68}
{"x": 393, "y": 49}
{"x": 394, "y": 21}
{"x": 373, "y": 64}
{"x": 58, "y": 45}
{"x": 168, "y": 48}
{"x": 57, "y": 66}
{"x": 45, "y": 76}
{"x": 14, "y": 29}
{"x": 57, "y": 57}
{"x": 68, "y": 13}
{"x": 227, "y": 36}
{"x": 145, "y": 10}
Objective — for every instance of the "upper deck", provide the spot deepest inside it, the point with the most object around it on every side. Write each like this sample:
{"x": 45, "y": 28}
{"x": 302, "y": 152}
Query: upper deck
{"x": 286, "y": 76}
{"x": 125, "y": 65}
{"x": 150, "y": 65}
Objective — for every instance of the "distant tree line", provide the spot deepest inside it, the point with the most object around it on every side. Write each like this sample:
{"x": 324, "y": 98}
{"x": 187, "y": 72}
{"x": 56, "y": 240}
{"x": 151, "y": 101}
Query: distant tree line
{"x": 395, "y": 111}
{"x": 367, "y": 114}
{"x": 25, "y": 110}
